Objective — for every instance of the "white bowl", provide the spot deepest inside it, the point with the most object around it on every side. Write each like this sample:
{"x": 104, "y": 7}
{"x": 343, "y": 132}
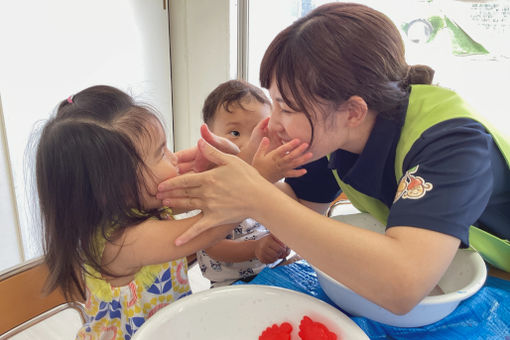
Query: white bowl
{"x": 465, "y": 276}
{"x": 242, "y": 312}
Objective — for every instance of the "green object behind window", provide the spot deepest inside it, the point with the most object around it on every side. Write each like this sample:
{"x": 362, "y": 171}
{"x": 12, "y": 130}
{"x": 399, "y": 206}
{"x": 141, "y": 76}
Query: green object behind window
{"x": 462, "y": 43}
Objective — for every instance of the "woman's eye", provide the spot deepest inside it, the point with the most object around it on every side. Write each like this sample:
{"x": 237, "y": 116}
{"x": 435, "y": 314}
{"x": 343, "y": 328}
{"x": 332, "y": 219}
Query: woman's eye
{"x": 235, "y": 133}
{"x": 287, "y": 111}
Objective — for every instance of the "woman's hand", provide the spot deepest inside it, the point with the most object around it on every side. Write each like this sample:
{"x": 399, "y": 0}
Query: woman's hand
{"x": 192, "y": 160}
{"x": 225, "y": 194}
{"x": 281, "y": 162}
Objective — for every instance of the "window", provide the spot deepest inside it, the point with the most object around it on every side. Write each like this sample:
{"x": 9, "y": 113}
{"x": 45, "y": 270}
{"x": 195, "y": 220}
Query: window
{"x": 50, "y": 50}
{"x": 466, "y": 42}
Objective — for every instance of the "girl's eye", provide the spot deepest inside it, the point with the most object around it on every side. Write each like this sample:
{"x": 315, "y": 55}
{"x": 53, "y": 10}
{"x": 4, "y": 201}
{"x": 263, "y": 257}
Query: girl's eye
{"x": 235, "y": 133}
{"x": 165, "y": 152}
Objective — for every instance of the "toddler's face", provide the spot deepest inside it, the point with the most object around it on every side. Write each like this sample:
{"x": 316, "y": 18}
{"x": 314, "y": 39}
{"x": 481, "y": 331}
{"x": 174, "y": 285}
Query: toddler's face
{"x": 238, "y": 124}
{"x": 161, "y": 164}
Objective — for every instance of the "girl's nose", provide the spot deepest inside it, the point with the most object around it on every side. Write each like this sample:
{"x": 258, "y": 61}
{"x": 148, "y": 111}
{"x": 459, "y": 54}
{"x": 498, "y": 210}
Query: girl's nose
{"x": 173, "y": 158}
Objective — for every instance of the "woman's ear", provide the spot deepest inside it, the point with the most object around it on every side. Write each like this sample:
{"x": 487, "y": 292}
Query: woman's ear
{"x": 357, "y": 110}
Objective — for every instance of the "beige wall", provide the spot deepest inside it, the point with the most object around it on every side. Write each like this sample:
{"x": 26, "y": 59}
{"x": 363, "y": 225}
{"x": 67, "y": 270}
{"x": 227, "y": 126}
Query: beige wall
{"x": 200, "y": 60}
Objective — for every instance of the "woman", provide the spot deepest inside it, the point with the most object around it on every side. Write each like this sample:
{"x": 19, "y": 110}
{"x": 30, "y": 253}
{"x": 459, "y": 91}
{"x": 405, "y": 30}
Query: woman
{"x": 414, "y": 156}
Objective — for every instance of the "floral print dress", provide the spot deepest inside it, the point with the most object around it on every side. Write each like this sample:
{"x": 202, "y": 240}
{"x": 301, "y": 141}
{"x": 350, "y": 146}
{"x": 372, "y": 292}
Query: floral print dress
{"x": 117, "y": 312}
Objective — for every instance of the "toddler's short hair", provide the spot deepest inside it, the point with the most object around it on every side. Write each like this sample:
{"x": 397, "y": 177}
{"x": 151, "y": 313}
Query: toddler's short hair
{"x": 228, "y": 93}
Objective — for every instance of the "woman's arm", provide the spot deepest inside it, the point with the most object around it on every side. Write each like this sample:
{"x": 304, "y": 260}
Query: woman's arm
{"x": 320, "y": 208}
{"x": 394, "y": 270}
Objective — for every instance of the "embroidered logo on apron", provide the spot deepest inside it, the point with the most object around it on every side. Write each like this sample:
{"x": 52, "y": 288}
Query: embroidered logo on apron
{"x": 411, "y": 186}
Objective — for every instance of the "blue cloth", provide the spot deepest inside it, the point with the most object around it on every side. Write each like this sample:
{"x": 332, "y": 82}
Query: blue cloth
{"x": 484, "y": 316}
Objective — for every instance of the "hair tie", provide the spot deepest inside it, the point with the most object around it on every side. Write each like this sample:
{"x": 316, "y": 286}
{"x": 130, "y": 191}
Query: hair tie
{"x": 70, "y": 99}
{"x": 406, "y": 80}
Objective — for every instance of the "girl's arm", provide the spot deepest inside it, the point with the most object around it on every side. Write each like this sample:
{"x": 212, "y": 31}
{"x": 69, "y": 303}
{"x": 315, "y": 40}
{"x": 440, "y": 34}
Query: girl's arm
{"x": 153, "y": 242}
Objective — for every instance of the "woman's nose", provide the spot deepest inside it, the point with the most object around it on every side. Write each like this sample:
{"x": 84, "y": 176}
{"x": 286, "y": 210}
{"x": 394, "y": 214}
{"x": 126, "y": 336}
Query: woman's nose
{"x": 274, "y": 124}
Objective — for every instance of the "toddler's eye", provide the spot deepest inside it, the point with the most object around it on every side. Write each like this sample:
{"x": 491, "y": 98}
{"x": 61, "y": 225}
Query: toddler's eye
{"x": 235, "y": 133}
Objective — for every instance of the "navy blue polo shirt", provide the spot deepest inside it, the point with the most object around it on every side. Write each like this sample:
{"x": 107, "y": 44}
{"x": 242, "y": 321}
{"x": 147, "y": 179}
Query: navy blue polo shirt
{"x": 467, "y": 179}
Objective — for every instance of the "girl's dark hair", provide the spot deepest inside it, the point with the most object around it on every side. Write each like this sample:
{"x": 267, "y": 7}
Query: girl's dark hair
{"x": 228, "y": 93}
{"x": 88, "y": 171}
{"x": 339, "y": 50}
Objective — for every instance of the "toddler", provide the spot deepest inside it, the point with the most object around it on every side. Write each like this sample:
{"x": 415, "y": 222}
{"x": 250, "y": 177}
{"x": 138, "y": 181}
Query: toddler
{"x": 107, "y": 238}
{"x": 233, "y": 110}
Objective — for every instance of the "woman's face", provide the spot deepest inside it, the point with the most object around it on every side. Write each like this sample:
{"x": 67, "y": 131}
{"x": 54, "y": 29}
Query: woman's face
{"x": 288, "y": 124}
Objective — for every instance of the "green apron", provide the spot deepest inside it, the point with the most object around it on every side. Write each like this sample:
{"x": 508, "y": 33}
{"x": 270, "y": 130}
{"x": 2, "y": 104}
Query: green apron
{"x": 428, "y": 106}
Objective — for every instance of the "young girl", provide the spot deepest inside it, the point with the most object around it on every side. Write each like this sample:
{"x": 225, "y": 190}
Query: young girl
{"x": 107, "y": 239}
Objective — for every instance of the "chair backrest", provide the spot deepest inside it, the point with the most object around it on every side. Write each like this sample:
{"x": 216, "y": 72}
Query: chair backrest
{"x": 22, "y": 301}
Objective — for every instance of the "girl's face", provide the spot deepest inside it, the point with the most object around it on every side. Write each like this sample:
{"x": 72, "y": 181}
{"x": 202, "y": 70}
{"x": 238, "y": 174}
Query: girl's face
{"x": 288, "y": 124}
{"x": 160, "y": 163}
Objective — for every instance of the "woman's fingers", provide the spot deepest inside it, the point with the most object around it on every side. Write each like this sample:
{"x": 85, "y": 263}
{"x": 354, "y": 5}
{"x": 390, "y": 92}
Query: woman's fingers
{"x": 186, "y": 155}
{"x": 187, "y": 192}
{"x": 213, "y": 154}
{"x": 187, "y": 203}
{"x": 189, "y": 180}
{"x": 185, "y": 167}
{"x": 218, "y": 142}
{"x": 186, "y": 159}
{"x": 205, "y": 223}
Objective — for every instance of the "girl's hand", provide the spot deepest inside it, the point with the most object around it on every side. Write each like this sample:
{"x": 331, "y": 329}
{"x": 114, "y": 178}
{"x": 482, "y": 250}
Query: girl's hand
{"x": 268, "y": 249}
{"x": 281, "y": 162}
{"x": 227, "y": 193}
{"x": 192, "y": 160}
